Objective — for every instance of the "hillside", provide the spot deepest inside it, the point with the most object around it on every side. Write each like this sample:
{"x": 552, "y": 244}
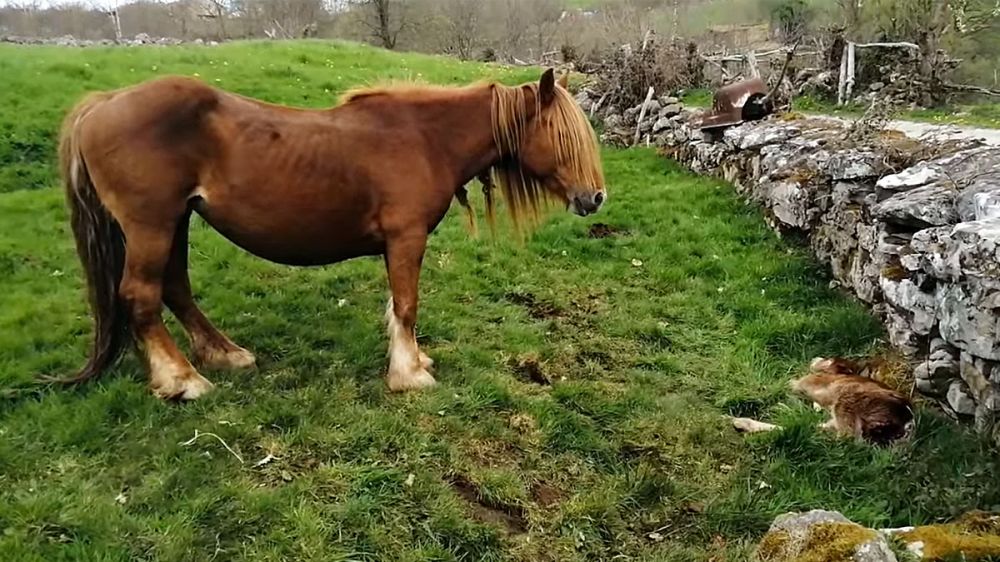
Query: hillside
{"x": 584, "y": 374}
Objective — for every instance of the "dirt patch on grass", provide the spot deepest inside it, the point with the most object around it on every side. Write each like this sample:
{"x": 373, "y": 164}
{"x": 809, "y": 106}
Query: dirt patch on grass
{"x": 601, "y": 358}
{"x": 508, "y": 517}
{"x": 537, "y": 308}
{"x": 492, "y": 452}
{"x": 530, "y": 369}
{"x": 546, "y": 495}
{"x": 601, "y": 230}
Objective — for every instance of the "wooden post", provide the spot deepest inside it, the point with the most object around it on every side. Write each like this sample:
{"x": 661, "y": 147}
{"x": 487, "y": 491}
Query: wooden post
{"x": 596, "y": 106}
{"x": 751, "y": 62}
{"x": 850, "y": 70}
{"x": 117, "y": 23}
{"x": 842, "y": 82}
{"x": 642, "y": 115}
{"x": 646, "y": 38}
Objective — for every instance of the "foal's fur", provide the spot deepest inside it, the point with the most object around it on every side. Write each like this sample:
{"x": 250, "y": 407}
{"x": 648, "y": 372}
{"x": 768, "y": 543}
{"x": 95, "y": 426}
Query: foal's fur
{"x": 858, "y": 405}
{"x": 373, "y": 176}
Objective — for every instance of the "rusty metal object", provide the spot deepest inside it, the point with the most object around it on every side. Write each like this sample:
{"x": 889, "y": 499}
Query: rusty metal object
{"x": 737, "y": 103}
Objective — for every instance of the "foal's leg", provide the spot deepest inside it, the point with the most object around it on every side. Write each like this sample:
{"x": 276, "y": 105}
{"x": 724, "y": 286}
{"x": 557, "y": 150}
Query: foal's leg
{"x": 407, "y": 364}
{"x": 212, "y": 349}
{"x": 147, "y": 250}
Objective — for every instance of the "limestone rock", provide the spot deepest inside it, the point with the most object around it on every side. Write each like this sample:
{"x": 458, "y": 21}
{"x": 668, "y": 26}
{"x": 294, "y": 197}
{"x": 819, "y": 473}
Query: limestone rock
{"x": 935, "y": 374}
{"x": 907, "y": 296}
{"x": 985, "y": 205}
{"x": 959, "y": 399}
{"x": 789, "y": 203}
{"x": 826, "y": 535}
{"x": 748, "y": 137}
{"x": 921, "y": 207}
{"x": 969, "y": 320}
{"x": 919, "y": 175}
{"x": 662, "y": 124}
{"x": 670, "y": 110}
{"x": 853, "y": 164}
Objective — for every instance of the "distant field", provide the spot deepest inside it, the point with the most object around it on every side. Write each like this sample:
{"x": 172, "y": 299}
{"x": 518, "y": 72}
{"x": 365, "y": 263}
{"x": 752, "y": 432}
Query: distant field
{"x": 40, "y": 83}
{"x": 583, "y": 374}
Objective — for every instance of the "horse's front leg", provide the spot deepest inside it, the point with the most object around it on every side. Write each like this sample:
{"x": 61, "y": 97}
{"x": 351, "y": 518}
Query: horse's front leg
{"x": 407, "y": 364}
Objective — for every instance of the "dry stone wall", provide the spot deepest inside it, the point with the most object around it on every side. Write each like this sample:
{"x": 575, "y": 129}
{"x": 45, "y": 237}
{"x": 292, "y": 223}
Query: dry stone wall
{"x": 910, "y": 227}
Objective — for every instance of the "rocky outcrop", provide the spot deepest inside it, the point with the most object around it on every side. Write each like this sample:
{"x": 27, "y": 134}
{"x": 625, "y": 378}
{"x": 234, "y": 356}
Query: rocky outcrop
{"x": 828, "y": 536}
{"x": 919, "y": 242}
{"x": 911, "y": 227}
{"x": 921, "y": 245}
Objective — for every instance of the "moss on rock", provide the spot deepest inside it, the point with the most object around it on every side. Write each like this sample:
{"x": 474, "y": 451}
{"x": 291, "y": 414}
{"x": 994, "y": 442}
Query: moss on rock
{"x": 824, "y": 542}
{"x": 974, "y": 536}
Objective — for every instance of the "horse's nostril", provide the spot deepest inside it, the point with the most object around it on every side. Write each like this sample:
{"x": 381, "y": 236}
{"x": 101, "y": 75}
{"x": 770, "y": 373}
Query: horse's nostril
{"x": 599, "y": 198}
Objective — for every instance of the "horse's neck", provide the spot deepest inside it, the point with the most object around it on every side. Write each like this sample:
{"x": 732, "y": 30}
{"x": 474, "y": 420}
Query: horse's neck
{"x": 465, "y": 126}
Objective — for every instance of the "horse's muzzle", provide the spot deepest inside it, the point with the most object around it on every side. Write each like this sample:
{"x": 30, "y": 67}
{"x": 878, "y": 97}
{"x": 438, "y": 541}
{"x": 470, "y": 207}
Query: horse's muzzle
{"x": 588, "y": 203}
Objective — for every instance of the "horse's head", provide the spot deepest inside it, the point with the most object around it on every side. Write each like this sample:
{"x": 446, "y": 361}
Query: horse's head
{"x": 560, "y": 149}
{"x": 548, "y": 148}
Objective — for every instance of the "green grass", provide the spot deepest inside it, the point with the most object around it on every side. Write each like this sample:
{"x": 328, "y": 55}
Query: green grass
{"x": 628, "y": 440}
{"x": 697, "y": 97}
{"x": 40, "y": 84}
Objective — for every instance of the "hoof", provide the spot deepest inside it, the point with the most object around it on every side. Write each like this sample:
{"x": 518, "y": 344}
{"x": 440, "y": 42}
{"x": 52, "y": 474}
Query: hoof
{"x": 416, "y": 380}
{"x": 425, "y": 361}
{"x": 188, "y": 386}
{"x": 214, "y": 359}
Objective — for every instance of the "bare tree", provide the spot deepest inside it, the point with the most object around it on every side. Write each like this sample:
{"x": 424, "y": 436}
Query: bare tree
{"x": 463, "y": 34}
{"x": 385, "y": 19}
{"x": 543, "y": 17}
{"x": 851, "y": 10}
{"x": 928, "y": 23}
{"x": 287, "y": 19}
{"x": 219, "y": 11}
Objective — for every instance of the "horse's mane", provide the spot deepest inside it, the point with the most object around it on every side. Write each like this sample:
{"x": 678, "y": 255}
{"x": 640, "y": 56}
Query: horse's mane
{"x": 404, "y": 89}
{"x": 570, "y": 135}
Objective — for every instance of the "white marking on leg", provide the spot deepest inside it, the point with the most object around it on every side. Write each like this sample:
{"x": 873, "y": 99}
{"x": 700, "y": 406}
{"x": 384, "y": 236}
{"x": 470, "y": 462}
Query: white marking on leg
{"x": 209, "y": 356}
{"x": 170, "y": 379}
{"x": 406, "y": 369}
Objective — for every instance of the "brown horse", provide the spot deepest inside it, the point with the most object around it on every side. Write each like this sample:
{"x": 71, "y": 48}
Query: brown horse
{"x": 372, "y": 176}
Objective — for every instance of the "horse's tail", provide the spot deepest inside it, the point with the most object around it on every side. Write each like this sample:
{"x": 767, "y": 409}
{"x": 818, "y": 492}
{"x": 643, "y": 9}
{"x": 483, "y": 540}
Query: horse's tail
{"x": 100, "y": 245}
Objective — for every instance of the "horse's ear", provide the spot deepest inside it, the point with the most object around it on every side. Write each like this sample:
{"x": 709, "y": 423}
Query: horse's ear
{"x": 564, "y": 81}
{"x": 547, "y": 87}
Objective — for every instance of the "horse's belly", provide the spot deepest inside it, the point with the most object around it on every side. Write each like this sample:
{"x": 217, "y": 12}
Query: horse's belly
{"x": 294, "y": 234}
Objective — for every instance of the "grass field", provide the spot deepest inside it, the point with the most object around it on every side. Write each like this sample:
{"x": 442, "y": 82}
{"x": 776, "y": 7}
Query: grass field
{"x": 584, "y": 374}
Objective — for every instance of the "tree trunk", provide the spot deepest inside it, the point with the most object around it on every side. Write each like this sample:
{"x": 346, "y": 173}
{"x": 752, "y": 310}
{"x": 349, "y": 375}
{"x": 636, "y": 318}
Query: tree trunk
{"x": 384, "y": 25}
{"x": 929, "y": 41}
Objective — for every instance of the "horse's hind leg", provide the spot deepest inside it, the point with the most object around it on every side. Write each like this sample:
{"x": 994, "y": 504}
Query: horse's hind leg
{"x": 147, "y": 251}
{"x": 212, "y": 349}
